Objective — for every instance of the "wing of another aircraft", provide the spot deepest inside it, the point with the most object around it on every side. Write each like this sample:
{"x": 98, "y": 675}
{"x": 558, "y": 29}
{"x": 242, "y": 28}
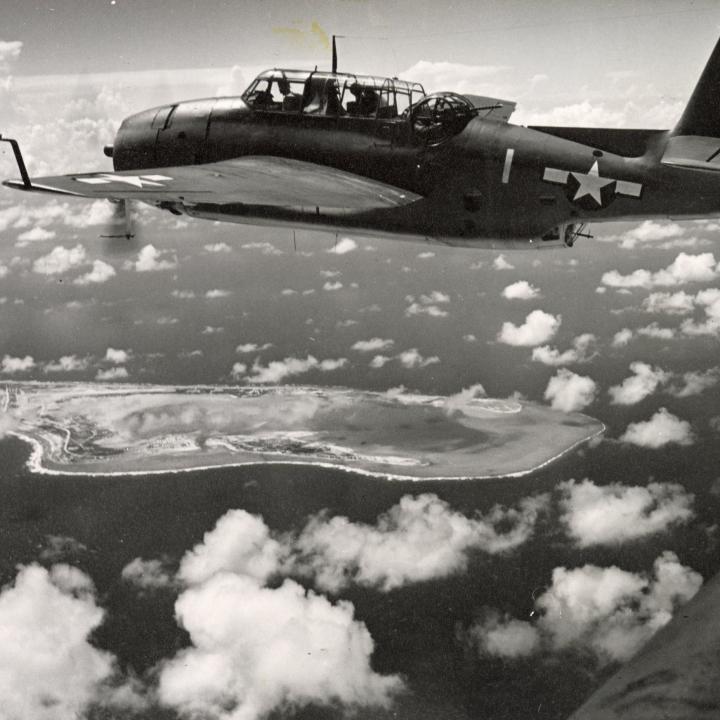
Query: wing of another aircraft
{"x": 253, "y": 180}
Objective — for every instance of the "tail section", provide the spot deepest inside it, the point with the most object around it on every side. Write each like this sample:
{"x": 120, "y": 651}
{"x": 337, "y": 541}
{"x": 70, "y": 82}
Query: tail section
{"x": 702, "y": 114}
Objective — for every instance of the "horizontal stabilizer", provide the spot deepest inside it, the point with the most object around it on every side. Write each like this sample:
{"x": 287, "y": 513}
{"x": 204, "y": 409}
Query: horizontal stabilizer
{"x": 693, "y": 151}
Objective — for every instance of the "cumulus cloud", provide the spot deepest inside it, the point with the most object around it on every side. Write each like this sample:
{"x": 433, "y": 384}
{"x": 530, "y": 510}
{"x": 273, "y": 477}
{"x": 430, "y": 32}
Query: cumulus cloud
{"x": 502, "y": 636}
{"x": 101, "y": 272}
{"x": 653, "y": 330}
{"x": 117, "y": 356}
{"x": 695, "y": 382}
{"x": 611, "y": 611}
{"x": 663, "y": 428}
{"x": 580, "y": 352}
{"x": 427, "y": 304}
{"x": 148, "y": 575}
{"x": 679, "y": 303}
{"x": 216, "y": 294}
{"x": 60, "y": 260}
{"x": 48, "y": 668}
{"x": 412, "y": 358}
{"x": 114, "y": 373}
{"x": 373, "y": 345}
{"x": 11, "y": 365}
{"x": 615, "y": 513}
{"x": 150, "y": 259}
{"x": 239, "y": 543}
{"x": 255, "y": 649}
{"x": 521, "y": 290}
{"x": 650, "y": 231}
{"x": 709, "y": 301}
{"x": 420, "y": 538}
{"x": 67, "y": 363}
{"x": 622, "y": 337}
{"x": 538, "y": 328}
{"x": 36, "y": 234}
{"x": 641, "y": 384}
{"x": 219, "y": 247}
{"x": 606, "y": 611}
{"x": 684, "y": 269}
{"x": 329, "y": 286}
{"x": 252, "y": 347}
{"x": 501, "y": 263}
{"x": 570, "y": 392}
{"x": 278, "y": 370}
{"x": 265, "y": 247}
{"x": 344, "y": 246}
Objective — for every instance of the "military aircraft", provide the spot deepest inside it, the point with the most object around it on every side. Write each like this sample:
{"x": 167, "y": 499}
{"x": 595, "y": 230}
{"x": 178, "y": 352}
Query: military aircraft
{"x": 378, "y": 156}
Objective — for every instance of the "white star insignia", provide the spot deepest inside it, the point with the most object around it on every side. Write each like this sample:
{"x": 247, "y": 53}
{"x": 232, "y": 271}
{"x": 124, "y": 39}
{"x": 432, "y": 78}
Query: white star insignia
{"x": 591, "y": 184}
{"x": 139, "y": 181}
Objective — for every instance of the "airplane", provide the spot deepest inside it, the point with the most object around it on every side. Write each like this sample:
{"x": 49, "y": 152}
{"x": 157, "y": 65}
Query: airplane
{"x": 377, "y": 156}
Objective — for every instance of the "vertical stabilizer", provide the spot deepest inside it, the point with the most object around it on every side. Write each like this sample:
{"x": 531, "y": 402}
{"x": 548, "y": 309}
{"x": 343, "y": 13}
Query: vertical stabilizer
{"x": 702, "y": 114}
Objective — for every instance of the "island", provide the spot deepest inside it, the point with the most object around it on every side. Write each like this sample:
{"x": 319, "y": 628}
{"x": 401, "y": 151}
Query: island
{"x": 118, "y": 429}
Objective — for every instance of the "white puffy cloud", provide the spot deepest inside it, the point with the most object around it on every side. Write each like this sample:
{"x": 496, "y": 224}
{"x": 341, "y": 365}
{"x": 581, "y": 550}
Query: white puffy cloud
{"x": 113, "y": 373}
{"x": 329, "y": 286}
{"x": 216, "y": 294}
{"x": 379, "y": 361}
{"x": 622, "y": 337}
{"x": 580, "y": 352}
{"x": 501, "y": 263}
{"x": 219, "y": 247}
{"x": 425, "y": 255}
{"x": 60, "y": 260}
{"x": 265, "y": 247}
{"x": 653, "y": 330}
{"x": 709, "y": 300}
{"x": 420, "y": 538}
{"x": 695, "y": 382}
{"x": 48, "y": 669}
{"x": 11, "y": 365}
{"x": 238, "y": 370}
{"x": 67, "y": 363}
{"x": 615, "y": 513}
{"x": 610, "y": 611}
{"x": 150, "y": 259}
{"x": 679, "y": 303}
{"x": 239, "y": 543}
{"x": 661, "y": 429}
{"x": 521, "y": 290}
{"x": 538, "y": 328}
{"x": 345, "y": 245}
{"x": 36, "y": 234}
{"x": 373, "y": 345}
{"x": 256, "y": 649}
{"x": 651, "y": 231}
{"x": 427, "y": 304}
{"x": 570, "y": 392}
{"x": 458, "y": 76}
{"x": 117, "y": 356}
{"x": 278, "y": 370}
{"x": 412, "y": 358}
{"x": 503, "y": 636}
{"x": 101, "y": 272}
{"x": 148, "y": 575}
{"x": 252, "y": 347}
{"x": 641, "y": 384}
{"x": 684, "y": 269}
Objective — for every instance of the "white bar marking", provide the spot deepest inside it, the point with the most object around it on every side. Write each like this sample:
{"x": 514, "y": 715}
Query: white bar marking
{"x": 506, "y": 168}
{"x": 554, "y": 175}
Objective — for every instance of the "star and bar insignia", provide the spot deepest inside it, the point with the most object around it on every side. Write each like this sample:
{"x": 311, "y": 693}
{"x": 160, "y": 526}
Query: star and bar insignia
{"x": 139, "y": 181}
{"x": 590, "y": 190}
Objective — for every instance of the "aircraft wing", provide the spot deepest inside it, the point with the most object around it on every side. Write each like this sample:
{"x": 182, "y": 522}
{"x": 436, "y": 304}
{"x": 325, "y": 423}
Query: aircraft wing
{"x": 252, "y": 180}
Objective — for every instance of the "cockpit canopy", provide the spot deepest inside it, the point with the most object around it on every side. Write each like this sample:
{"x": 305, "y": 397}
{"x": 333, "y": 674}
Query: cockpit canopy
{"x": 324, "y": 93}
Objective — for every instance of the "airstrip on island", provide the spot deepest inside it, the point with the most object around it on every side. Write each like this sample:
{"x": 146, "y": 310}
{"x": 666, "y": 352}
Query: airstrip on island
{"x": 104, "y": 429}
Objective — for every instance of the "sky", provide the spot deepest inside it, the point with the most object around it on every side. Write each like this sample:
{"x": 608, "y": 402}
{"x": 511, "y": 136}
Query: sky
{"x": 464, "y": 600}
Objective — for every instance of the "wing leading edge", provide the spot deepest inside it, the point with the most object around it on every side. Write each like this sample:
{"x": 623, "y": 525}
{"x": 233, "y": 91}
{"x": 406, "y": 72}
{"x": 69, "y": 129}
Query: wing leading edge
{"x": 253, "y": 180}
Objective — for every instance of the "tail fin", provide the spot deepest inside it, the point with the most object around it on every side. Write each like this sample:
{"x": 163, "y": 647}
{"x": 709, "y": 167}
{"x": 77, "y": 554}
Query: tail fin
{"x": 702, "y": 114}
